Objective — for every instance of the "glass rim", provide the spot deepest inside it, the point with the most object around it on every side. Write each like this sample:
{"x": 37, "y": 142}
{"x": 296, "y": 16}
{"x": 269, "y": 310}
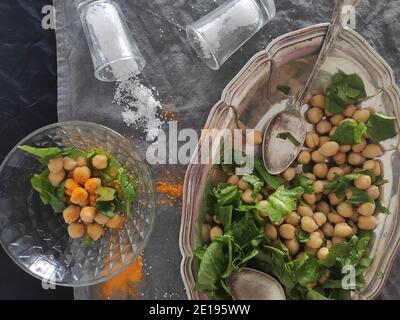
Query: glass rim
{"x": 151, "y": 181}
{"x": 141, "y": 62}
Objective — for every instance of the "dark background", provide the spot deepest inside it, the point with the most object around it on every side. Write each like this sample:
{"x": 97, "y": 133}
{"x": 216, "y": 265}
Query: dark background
{"x": 28, "y": 101}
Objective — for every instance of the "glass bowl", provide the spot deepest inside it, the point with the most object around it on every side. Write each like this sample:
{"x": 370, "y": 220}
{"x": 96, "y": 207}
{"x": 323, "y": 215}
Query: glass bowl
{"x": 254, "y": 94}
{"x": 36, "y": 238}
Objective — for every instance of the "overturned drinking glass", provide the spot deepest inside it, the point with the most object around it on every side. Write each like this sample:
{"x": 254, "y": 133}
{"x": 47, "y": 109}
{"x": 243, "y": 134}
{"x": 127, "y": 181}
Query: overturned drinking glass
{"x": 114, "y": 52}
{"x": 216, "y": 36}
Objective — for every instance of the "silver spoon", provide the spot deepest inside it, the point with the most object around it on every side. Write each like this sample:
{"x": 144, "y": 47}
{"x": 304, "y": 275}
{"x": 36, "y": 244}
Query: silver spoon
{"x": 278, "y": 154}
{"x": 250, "y": 284}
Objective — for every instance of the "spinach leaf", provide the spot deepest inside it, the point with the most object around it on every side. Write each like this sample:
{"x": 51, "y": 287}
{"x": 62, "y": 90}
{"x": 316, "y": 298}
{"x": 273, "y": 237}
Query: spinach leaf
{"x": 245, "y": 230}
{"x": 341, "y": 183}
{"x": 87, "y": 240}
{"x": 349, "y": 133}
{"x": 302, "y": 236}
{"x": 105, "y": 194}
{"x": 282, "y": 202}
{"x": 308, "y": 270}
{"x": 272, "y": 181}
{"x": 44, "y": 154}
{"x": 106, "y": 207}
{"x": 381, "y": 127}
{"x": 288, "y": 136}
{"x": 344, "y": 89}
{"x": 358, "y": 196}
{"x": 285, "y": 89}
{"x": 47, "y": 192}
{"x": 224, "y": 215}
{"x": 315, "y": 295}
{"x": 226, "y": 193}
{"x": 380, "y": 208}
{"x": 254, "y": 181}
{"x": 379, "y": 181}
{"x": 306, "y": 183}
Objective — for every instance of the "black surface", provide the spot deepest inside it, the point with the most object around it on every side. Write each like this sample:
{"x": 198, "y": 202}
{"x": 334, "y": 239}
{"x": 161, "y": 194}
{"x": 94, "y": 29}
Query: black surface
{"x": 28, "y": 101}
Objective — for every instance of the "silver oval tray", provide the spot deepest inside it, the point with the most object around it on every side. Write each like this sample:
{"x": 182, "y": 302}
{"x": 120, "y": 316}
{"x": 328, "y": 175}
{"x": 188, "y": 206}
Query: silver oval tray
{"x": 288, "y": 60}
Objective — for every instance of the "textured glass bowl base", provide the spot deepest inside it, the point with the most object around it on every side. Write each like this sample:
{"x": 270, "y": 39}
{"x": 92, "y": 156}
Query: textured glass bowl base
{"x": 36, "y": 238}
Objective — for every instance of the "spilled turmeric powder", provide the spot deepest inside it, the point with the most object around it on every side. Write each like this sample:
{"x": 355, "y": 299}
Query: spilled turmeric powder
{"x": 171, "y": 191}
{"x": 124, "y": 285}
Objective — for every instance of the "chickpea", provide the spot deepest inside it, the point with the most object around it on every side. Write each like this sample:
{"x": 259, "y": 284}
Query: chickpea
{"x": 254, "y": 137}
{"x": 76, "y": 230}
{"x": 55, "y": 165}
{"x": 354, "y": 217}
{"x": 318, "y": 101}
{"x": 304, "y": 157}
{"x": 259, "y": 196}
{"x": 367, "y": 223}
{"x": 79, "y": 196}
{"x": 355, "y": 159}
{"x": 71, "y": 213}
{"x": 310, "y": 198}
{"x": 349, "y": 110}
{"x": 342, "y": 230}
{"x": 369, "y": 164}
{"x": 332, "y": 131}
{"x": 315, "y": 241}
{"x": 345, "y": 209}
{"x": 319, "y": 218}
{"x": 362, "y": 115}
{"x": 323, "y": 207}
{"x": 56, "y": 178}
{"x": 357, "y": 148}
{"x": 234, "y": 180}
{"x": 69, "y": 164}
{"x": 329, "y": 149}
{"x": 309, "y": 175}
{"x": 308, "y": 224}
{"x": 205, "y": 232}
{"x": 371, "y": 151}
{"x": 373, "y": 192}
{"x": 270, "y": 232}
{"x": 71, "y": 184}
{"x": 88, "y": 214}
{"x": 333, "y": 172}
{"x": 92, "y": 184}
{"x": 327, "y": 229}
{"x": 81, "y": 174}
{"x": 335, "y": 218}
{"x": 366, "y": 209}
{"x": 336, "y": 119}
{"x": 363, "y": 182}
{"x": 312, "y": 139}
{"x": 292, "y": 245}
{"x": 101, "y": 218}
{"x": 327, "y": 113}
{"x": 115, "y": 222}
{"x": 323, "y": 127}
{"x": 243, "y": 185}
{"x": 323, "y": 140}
{"x": 262, "y": 205}
{"x": 377, "y": 169}
{"x": 247, "y": 196}
{"x": 340, "y": 158}
{"x": 95, "y": 231}
{"x": 321, "y": 233}
{"x": 315, "y": 115}
{"x": 322, "y": 253}
{"x": 311, "y": 251}
{"x": 344, "y": 148}
{"x": 317, "y": 157}
{"x": 100, "y": 161}
{"x": 292, "y": 218}
{"x": 318, "y": 186}
{"x": 353, "y": 226}
{"x": 218, "y": 176}
{"x": 336, "y": 240}
{"x": 346, "y": 168}
{"x": 334, "y": 200}
{"x": 289, "y": 174}
{"x": 287, "y": 231}
{"x": 320, "y": 170}
{"x": 305, "y": 211}
{"x": 82, "y": 162}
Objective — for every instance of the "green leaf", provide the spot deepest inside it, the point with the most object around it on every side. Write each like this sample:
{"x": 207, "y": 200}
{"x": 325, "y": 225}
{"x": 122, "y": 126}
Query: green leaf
{"x": 306, "y": 183}
{"x": 381, "y": 127}
{"x": 224, "y": 215}
{"x": 288, "y": 136}
{"x": 285, "y": 89}
{"x": 272, "y": 181}
{"x": 105, "y": 194}
{"x": 341, "y": 183}
{"x": 358, "y": 196}
{"x": 47, "y": 192}
{"x": 87, "y": 240}
{"x": 379, "y": 181}
{"x": 308, "y": 269}
{"x": 282, "y": 202}
{"x": 44, "y": 154}
{"x": 245, "y": 230}
{"x": 226, "y": 193}
{"x": 349, "y": 133}
{"x": 106, "y": 207}
{"x": 315, "y": 295}
{"x": 254, "y": 181}
{"x": 380, "y": 208}
{"x": 302, "y": 236}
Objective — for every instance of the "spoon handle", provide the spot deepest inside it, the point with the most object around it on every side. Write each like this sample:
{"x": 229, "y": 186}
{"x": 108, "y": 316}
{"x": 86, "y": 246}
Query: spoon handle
{"x": 340, "y": 17}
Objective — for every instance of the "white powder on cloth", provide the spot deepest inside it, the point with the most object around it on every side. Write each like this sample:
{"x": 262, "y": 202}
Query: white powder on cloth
{"x": 140, "y": 107}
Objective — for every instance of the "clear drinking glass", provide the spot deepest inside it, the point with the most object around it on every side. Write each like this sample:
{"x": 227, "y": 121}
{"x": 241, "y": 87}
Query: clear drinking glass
{"x": 114, "y": 51}
{"x": 37, "y": 239}
{"x": 216, "y": 36}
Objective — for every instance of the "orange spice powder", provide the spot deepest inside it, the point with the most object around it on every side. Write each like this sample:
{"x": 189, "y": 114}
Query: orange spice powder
{"x": 124, "y": 285}
{"x": 171, "y": 191}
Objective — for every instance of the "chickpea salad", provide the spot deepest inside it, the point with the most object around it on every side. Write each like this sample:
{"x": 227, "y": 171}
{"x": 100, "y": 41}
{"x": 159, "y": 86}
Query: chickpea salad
{"x": 308, "y": 223}
{"x": 91, "y": 189}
